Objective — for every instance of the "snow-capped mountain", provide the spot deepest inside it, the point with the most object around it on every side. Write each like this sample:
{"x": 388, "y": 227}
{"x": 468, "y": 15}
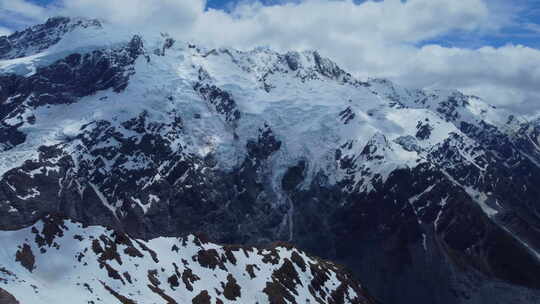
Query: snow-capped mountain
{"x": 429, "y": 196}
{"x": 93, "y": 265}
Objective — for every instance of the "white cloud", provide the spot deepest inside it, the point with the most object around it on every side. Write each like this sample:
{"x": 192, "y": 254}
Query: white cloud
{"x": 391, "y": 21}
{"x": 507, "y": 76}
{"x": 533, "y": 27}
{"x": 161, "y": 13}
{"x": 20, "y": 13}
{"x": 4, "y": 31}
{"x": 369, "y": 39}
{"x": 22, "y": 8}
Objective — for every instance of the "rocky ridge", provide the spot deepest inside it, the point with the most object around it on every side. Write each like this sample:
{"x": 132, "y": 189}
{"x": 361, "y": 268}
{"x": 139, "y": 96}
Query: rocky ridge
{"x": 95, "y": 265}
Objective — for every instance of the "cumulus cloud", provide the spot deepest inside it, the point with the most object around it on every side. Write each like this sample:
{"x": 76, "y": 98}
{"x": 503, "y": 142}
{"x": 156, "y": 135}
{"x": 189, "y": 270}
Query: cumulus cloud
{"x": 139, "y": 13}
{"x": 4, "y": 31}
{"x": 20, "y": 13}
{"x": 22, "y": 8}
{"x": 507, "y": 76}
{"x": 378, "y": 39}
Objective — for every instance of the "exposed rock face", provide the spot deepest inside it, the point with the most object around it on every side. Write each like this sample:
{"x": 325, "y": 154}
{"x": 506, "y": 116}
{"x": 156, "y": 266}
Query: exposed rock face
{"x": 108, "y": 266}
{"x": 429, "y": 196}
{"x": 63, "y": 82}
{"x": 7, "y": 298}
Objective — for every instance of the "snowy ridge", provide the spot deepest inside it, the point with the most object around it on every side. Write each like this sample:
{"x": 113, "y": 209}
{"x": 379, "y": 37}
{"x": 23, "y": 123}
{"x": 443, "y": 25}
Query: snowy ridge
{"x": 59, "y": 258}
{"x": 265, "y": 86}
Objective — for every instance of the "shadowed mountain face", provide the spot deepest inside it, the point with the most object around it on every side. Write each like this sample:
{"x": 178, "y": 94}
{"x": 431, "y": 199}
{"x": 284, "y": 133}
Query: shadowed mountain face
{"x": 427, "y": 196}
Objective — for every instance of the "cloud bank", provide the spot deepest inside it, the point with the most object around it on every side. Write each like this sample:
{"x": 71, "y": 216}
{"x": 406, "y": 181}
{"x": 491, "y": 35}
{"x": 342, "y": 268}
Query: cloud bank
{"x": 388, "y": 38}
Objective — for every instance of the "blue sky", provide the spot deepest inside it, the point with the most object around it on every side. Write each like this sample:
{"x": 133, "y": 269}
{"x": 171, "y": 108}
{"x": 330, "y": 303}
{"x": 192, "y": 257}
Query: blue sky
{"x": 489, "y": 48}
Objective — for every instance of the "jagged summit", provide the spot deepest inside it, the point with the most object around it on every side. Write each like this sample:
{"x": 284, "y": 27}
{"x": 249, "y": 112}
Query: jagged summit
{"x": 428, "y": 195}
{"x": 40, "y": 37}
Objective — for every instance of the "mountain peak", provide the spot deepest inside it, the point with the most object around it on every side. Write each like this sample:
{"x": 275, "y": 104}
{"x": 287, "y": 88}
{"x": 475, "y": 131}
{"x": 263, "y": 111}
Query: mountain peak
{"x": 42, "y": 36}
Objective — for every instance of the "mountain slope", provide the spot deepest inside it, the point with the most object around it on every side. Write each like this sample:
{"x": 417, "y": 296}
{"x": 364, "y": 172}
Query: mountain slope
{"x": 429, "y": 195}
{"x": 94, "y": 265}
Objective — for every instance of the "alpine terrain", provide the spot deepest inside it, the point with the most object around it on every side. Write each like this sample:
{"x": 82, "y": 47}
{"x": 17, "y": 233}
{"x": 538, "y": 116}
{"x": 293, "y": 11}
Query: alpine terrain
{"x": 124, "y": 155}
